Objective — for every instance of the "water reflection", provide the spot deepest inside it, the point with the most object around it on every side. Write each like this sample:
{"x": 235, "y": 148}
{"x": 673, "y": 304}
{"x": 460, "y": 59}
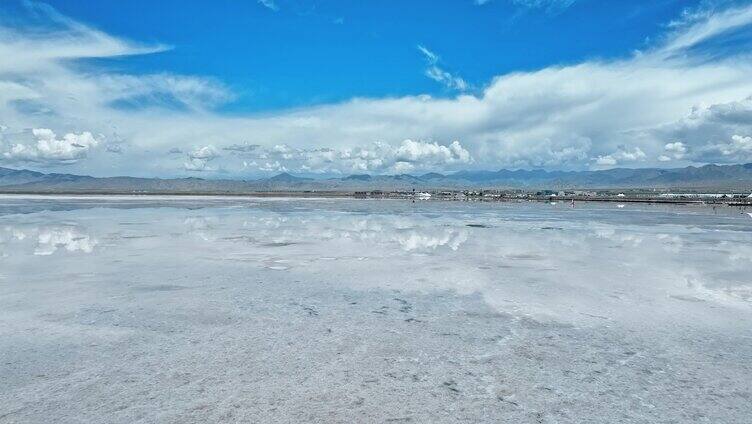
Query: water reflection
{"x": 46, "y": 240}
{"x": 431, "y": 239}
{"x": 409, "y": 234}
{"x": 532, "y": 260}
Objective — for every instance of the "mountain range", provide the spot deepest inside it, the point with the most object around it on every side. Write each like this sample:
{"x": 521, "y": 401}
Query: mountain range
{"x": 727, "y": 177}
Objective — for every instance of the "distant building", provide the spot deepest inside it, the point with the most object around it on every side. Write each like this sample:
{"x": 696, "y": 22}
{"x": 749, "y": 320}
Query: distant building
{"x": 585, "y": 193}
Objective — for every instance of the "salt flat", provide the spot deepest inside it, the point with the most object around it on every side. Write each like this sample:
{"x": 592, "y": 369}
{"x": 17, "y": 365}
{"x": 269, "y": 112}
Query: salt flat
{"x": 135, "y": 309}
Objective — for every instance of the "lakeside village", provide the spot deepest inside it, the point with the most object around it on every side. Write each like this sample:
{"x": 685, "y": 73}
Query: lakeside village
{"x": 632, "y": 195}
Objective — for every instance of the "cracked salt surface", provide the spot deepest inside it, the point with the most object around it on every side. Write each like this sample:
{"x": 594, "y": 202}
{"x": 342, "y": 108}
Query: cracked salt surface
{"x": 183, "y": 310}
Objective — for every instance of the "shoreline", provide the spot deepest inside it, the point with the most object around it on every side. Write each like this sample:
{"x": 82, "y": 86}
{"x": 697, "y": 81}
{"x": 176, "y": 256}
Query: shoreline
{"x": 730, "y": 201}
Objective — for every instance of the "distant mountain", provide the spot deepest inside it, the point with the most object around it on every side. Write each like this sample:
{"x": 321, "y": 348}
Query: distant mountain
{"x": 728, "y": 176}
{"x": 286, "y": 178}
{"x": 18, "y": 176}
{"x": 736, "y": 177}
{"x": 358, "y": 177}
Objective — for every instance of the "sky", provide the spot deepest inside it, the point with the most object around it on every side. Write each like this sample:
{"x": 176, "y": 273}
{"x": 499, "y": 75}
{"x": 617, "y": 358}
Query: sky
{"x": 252, "y": 88}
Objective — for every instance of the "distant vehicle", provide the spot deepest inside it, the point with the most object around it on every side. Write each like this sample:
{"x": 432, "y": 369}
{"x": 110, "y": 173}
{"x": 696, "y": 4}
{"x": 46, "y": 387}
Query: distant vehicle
{"x": 423, "y": 195}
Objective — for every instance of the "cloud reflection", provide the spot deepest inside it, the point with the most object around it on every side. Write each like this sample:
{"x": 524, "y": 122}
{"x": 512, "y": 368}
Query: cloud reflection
{"x": 588, "y": 266}
{"x": 46, "y": 240}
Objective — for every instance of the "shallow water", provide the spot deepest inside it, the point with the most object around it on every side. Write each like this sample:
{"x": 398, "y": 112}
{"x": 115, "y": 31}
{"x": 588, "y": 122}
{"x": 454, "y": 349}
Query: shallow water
{"x": 159, "y": 309}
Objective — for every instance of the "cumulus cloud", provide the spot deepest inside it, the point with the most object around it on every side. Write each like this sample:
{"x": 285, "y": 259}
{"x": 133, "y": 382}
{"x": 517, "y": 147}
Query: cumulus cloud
{"x": 205, "y": 153}
{"x": 199, "y": 158}
{"x": 739, "y": 147}
{"x": 707, "y": 133}
{"x": 272, "y": 167}
{"x": 72, "y": 240}
{"x": 51, "y": 239}
{"x": 621, "y": 156}
{"x": 675, "y": 150}
{"x": 582, "y": 115}
{"x": 48, "y": 148}
{"x": 378, "y": 157}
{"x": 416, "y": 151}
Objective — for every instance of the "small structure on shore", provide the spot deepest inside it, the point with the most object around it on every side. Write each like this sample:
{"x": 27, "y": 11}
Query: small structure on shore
{"x": 423, "y": 195}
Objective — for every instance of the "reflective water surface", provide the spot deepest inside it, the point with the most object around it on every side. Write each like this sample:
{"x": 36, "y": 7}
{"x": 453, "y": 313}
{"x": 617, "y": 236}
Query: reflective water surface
{"x": 159, "y": 309}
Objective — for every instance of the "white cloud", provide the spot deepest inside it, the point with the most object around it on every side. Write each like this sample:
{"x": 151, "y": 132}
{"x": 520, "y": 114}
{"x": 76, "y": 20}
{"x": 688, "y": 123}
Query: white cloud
{"x": 447, "y": 79}
{"x": 406, "y": 156}
{"x": 205, "y": 153}
{"x": 606, "y": 160}
{"x": 33, "y": 49}
{"x": 283, "y": 150}
{"x": 676, "y": 147}
{"x": 437, "y": 74}
{"x": 197, "y": 165}
{"x": 551, "y": 6}
{"x": 574, "y": 116}
{"x": 47, "y": 240}
{"x": 416, "y": 151}
{"x": 738, "y": 147}
{"x": 52, "y": 239}
{"x": 273, "y": 167}
{"x": 704, "y": 24}
{"x": 50, "y": 149}
{"x": 430, "y": 56}
{"x": 707, "y": 133}
{"x": 162, "y": 90}
{"x": 199, "y": 158}
{"x": 621, "y": 156}
{"x": 269, "y": 4}
{"x": 675, "y": 150}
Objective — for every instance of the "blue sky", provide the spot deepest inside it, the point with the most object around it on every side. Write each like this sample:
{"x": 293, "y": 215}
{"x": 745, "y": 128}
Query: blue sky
{"x": 251, "y": 88}
{"x": 307, "y": 52}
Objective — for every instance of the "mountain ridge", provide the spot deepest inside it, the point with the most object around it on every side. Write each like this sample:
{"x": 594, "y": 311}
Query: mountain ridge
{"x": 706, "y": 176}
